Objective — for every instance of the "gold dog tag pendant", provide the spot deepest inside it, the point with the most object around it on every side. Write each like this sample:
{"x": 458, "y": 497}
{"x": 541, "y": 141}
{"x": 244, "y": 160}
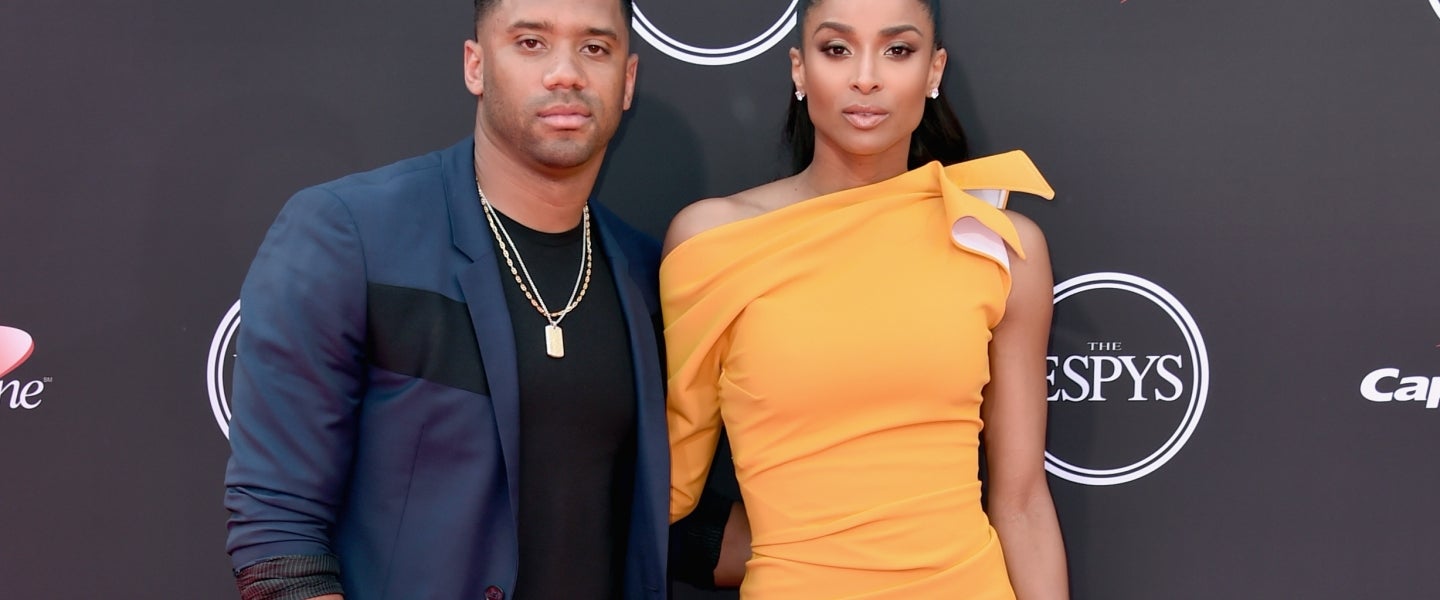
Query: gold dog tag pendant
{"x": 554, "y": 341}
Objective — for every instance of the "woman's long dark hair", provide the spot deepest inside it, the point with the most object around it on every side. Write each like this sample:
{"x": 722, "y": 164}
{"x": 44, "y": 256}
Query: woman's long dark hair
{"x": 938, "y": 137}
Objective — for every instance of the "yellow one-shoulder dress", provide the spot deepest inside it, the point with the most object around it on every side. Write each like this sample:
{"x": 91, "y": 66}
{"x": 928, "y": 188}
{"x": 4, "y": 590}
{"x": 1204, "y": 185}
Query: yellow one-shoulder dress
{"x": 843, "y": 341}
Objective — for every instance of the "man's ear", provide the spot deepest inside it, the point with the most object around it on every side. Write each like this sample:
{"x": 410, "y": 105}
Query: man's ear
{"x": 474, "y": 68}
{"x": 631, "y": 64}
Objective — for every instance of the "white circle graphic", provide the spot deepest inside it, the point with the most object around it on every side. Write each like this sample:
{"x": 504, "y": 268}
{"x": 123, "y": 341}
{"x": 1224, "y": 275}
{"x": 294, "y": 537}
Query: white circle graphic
{"x": 215, "y": 368}
{"x": 715, "y": 56}
{"x": 1199, "y": 384}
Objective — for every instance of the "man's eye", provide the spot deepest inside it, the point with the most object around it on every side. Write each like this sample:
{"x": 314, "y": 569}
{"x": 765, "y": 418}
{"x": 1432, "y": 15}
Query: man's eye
{"x": 529, "y": 43}
{"x": 594, "y": 49}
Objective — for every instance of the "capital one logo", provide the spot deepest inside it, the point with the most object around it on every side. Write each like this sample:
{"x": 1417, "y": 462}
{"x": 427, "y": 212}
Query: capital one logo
{"x": 697, "y": 55}
{"x": 1128, "y": 374}
{"x": 221, "y": 365}
{"x": 16, "y": 346}
{"x": 1387, "y": 385}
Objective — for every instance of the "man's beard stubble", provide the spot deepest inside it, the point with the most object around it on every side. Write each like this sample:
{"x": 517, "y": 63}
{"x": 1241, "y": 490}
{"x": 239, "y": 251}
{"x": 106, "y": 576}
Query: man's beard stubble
{"x": 523, "y": 132}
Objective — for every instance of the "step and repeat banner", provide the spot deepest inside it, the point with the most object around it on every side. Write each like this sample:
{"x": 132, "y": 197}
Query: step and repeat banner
{"x": 1245, "y": 365}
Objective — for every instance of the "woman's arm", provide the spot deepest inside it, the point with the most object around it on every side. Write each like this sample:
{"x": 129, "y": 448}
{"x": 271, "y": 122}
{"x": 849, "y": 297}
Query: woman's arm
{"x": 691, "y": 405}
{"x": 1020, "y": 507}
{"x": 694, "y": 422}
{"x": 734, "y": 549}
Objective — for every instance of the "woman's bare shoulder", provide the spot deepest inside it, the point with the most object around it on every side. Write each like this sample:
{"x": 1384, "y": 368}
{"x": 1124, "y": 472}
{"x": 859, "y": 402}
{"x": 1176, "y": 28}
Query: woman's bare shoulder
{"x": 1029, "y": 231}
{"x": 707, "y": 214}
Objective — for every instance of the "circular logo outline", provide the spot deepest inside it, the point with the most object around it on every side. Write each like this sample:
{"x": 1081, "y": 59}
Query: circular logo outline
{"x": 215, "y": 367}
{"x": 1436, "y": 5}
{"x": 713, "y": 57}
{"x": 1199, "y": 388}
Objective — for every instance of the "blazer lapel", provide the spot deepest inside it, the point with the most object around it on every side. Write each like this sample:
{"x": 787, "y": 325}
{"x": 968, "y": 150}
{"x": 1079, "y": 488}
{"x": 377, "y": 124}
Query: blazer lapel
{"x": 480, "y": 282}
{"x": 652, "y": 469}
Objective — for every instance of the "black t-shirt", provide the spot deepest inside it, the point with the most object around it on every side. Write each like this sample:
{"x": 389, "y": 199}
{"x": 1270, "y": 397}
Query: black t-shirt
{"x": 577, "y": 422}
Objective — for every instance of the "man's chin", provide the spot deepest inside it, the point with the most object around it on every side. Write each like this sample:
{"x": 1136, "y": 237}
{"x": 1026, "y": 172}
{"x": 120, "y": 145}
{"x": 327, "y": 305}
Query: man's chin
{"x": 564, "y": 155}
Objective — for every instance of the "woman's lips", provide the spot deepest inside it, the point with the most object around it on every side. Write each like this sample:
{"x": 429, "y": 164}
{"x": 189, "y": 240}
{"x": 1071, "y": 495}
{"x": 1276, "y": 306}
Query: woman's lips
{"x": 864, "y": 117}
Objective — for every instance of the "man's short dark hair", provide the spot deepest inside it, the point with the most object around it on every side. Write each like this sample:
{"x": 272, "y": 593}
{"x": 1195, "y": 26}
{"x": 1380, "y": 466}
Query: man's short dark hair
{"x": 627, "y": 9}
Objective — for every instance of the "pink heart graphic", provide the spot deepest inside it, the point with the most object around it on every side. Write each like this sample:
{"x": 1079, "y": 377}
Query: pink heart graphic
{"x": 15, "y": 347}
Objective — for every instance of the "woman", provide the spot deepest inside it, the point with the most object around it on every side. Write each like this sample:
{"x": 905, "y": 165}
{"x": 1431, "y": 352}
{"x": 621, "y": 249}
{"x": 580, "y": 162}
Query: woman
{"x": 848, "y": 321}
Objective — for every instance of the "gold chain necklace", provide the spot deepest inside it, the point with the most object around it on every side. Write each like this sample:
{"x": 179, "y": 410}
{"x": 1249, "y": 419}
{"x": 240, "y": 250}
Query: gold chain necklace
{"x": 554, "y": 337}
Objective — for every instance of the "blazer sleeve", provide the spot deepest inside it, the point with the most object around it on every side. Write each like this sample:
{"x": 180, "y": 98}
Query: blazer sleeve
{"x": 298, "y": 380}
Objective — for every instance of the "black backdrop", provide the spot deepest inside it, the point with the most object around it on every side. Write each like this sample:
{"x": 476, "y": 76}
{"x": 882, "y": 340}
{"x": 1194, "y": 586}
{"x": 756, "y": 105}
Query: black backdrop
{"x": 1247, "y": 210}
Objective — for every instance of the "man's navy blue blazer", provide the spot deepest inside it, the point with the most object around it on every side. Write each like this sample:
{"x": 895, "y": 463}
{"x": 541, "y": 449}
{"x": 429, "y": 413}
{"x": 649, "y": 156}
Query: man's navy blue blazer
{"x": 376, "y": 398}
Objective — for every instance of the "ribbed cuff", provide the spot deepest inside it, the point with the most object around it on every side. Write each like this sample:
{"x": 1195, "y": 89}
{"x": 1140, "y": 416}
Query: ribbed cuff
{"x": 295, "y": 577}
{"x": 695, "y": 541}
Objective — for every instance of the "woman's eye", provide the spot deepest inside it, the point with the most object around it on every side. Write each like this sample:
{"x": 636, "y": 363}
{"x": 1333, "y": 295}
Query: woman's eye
{"x": 836, "y": 50}
{"x": 901, "y": 51}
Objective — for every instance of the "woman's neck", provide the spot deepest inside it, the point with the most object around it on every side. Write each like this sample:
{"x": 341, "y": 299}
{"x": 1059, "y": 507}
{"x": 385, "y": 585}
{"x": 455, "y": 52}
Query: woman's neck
{"x": 832, "y": 170}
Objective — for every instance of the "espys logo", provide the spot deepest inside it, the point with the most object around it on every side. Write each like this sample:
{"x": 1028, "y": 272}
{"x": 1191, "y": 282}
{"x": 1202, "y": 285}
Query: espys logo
{"x": 16, "y": 346}
{"x": 1128, "y": 375}
{"x": 1435, "y": 4}
{"x": 697, "y": 55}
{"x": 221, "y": 366}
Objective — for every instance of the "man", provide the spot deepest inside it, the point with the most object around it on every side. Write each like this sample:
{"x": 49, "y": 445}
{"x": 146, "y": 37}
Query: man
{"x": 448, "y": 384}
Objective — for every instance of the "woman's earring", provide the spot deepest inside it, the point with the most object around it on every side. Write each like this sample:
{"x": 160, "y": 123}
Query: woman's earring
{"x": 799, "y": 95}
{"x": 935, "y": 93}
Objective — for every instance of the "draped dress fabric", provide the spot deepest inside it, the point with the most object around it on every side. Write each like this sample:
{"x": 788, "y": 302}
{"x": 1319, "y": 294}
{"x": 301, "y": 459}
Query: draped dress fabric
{"x": 844, "y": 342}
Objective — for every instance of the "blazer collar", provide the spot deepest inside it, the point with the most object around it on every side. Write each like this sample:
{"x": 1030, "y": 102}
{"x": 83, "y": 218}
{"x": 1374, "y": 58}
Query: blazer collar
{"x": 458, "y": 166}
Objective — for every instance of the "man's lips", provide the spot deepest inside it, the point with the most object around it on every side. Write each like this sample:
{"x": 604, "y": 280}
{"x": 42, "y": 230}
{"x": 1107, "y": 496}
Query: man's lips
{"x": 865, "y": 117}
{"x": 565, "y": 116}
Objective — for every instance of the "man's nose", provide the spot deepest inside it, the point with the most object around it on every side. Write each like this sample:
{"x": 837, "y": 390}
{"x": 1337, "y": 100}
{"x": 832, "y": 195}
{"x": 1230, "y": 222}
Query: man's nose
{"x": 565, "y": 72}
